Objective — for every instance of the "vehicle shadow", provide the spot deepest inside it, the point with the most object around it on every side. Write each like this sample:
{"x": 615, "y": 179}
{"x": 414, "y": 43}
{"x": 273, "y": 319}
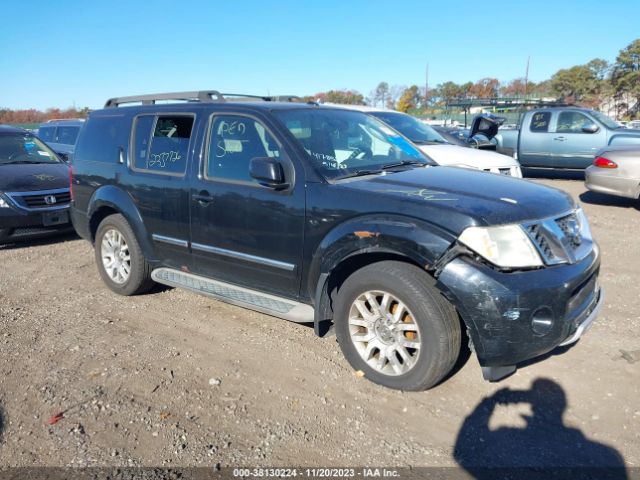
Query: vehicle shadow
{"x": 544, "y": 448}
{"x": 596, "y": 198}
{"x": 38, "y": 240}
{"x": 553, "y": 174}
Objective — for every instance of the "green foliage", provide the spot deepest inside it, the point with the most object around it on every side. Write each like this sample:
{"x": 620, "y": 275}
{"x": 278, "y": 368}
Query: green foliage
{"x": 409, "y": 99}
{"x": 625, "y": 77}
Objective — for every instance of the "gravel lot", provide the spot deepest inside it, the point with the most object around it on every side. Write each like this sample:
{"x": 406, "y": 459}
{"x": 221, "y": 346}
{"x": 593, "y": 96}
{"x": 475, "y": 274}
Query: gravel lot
{"x": 175, "y": 379}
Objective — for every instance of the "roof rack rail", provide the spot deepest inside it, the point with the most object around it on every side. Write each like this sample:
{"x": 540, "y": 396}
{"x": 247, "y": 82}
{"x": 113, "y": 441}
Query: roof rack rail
{"x": 204, "y": 96}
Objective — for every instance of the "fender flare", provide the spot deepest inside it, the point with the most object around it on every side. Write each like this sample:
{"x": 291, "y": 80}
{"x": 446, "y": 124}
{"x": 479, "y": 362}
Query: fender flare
{"x": 418, "y": 241}
{"x": 113, "y": 197}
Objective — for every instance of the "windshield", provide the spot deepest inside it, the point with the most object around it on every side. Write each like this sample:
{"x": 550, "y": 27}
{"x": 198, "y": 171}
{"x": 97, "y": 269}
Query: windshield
{"x": 344, "y": 143}
{"x": 24, "y": 148}
{"x": 606, "y": 121}
{"x": 415, "y": 130}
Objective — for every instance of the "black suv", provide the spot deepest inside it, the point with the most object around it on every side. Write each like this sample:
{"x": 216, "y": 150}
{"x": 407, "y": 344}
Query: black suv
{"x": 325, "y": 215}
{"x": 34, "y": 186}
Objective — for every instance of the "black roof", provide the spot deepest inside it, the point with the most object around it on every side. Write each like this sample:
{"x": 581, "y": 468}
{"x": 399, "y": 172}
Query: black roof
{"x": 9, "y": 129}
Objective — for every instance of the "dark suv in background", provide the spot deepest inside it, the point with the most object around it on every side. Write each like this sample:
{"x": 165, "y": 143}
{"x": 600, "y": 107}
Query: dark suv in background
{"x": 326, "y": 215}
{"x": 61, "y": 135}
{"x": 34, "y": 186}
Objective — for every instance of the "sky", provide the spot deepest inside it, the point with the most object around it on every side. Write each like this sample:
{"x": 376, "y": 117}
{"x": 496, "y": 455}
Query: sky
{"x": 80, "y": 53}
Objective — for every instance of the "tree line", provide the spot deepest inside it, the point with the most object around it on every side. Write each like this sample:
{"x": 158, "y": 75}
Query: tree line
{"x": 36, "y": 116}
{"x": 598, "y": 84}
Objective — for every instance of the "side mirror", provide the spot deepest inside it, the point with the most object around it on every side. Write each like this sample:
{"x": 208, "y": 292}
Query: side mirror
{"x": 590, "y": 128}
{"x": 268, "y": 172}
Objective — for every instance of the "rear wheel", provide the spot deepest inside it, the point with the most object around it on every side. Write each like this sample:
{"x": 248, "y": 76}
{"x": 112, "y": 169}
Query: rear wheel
{"x": 393, "y": 324}
{"x": 119, "y": 257}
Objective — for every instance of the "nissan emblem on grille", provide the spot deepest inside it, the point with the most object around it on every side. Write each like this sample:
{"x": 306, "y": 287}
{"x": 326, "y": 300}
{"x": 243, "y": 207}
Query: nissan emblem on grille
{"x": 573, "y": 228}
{"x": 50, "y": 199}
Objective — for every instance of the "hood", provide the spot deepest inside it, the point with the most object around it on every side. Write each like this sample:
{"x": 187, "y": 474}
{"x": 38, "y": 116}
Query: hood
{"x": 470, "y": 157}
{"x": 485, "y": 124}
{"x": 458, "y": 197}
{"x": 39, "y": 176}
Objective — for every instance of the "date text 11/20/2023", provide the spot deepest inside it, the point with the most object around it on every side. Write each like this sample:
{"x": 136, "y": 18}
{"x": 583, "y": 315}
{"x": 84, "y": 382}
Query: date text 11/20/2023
{"x": 315, "y": 472}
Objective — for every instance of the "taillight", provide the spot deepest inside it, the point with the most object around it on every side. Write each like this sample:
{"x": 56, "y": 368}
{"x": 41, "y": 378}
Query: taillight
{"x": 71, "y": 182}
{"x": 604, "y": 163}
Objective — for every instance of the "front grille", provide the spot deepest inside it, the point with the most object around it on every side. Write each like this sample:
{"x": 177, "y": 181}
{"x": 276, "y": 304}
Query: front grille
{"x": 538, "y": 237}
{"x": 42, "y": 200}
{"x": 562, "y": 239}
{"x": 39, "y": 201}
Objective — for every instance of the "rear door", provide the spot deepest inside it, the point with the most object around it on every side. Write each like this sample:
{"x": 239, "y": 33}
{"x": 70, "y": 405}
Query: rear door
{"x": 573, "y": 147}
{"x": 242, "y": 232}
{"x": 161, "y": 146}
{"x": 536, "y": 140}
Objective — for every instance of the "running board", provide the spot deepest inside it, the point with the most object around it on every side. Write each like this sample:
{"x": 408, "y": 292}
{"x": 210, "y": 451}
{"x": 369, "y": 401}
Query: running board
{"x": 242, "y": 297}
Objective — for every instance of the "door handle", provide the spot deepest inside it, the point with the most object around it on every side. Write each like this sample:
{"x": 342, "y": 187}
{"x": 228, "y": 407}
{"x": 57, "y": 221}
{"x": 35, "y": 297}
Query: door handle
{"x": 560, "y": 139}
{"x": 203, "y": 198}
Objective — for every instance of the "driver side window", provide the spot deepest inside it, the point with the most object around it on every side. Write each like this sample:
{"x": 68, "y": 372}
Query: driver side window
{"x": 233, "y": 141}
{"x": 572, "y": 122}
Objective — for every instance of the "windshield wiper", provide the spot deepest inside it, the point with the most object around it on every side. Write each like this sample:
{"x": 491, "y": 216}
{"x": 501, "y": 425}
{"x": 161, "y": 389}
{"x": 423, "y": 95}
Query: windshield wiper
{"x": 360, "y": 173}
{"x": 403, "y": 163}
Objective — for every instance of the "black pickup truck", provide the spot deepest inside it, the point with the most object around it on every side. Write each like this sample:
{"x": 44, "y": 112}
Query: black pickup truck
{"x": 327, "y": 216}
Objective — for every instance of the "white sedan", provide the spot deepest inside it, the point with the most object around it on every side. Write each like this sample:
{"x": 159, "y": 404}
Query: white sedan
{"x": 438, "y": 149}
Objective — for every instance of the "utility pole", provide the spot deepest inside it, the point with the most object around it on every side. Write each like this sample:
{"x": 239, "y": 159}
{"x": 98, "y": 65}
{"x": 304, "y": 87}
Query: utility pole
{"x": 526, "y": 79}
{"x": 426, "y": 87}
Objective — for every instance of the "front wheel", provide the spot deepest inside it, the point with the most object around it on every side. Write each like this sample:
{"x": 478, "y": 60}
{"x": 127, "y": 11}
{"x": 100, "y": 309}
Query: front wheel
{"x": 119, "y": 257}
{"x": 393, "y": 324}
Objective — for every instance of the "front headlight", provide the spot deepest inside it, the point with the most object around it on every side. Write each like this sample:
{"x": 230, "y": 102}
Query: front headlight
{"x": 3, "y": 203}
{"x": 506, "y": 246}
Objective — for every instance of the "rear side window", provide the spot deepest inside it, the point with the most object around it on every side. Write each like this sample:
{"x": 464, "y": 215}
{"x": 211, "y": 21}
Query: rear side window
{"x": 101, "y": 139}
{"x": 540, "y": 121}
{"x": 234, "y": 141}
{"x": 67, "y": 135}
{"x": 46, "y": 133}
{"x": 161, "y": 143}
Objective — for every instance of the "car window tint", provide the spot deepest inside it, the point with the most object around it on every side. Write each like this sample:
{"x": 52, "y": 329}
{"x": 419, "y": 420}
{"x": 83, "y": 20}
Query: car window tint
{"x": 572, "y": 122}
{"x": 234, "y": 141}
{"x": 47, "y": 133}
{"x": 540, "y": 121}
{"x": 167, "y": 149}
{"x": 67, "y": 135}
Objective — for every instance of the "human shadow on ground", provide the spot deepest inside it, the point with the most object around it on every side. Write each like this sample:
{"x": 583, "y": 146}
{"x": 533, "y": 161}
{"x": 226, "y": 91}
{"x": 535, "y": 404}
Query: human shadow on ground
{"x": 544, "y": 448}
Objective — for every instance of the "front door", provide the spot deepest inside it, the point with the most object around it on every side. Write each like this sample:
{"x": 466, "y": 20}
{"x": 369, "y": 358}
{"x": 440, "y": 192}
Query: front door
{"x": 242, "y": 232}
{"x": 574, "y": 147}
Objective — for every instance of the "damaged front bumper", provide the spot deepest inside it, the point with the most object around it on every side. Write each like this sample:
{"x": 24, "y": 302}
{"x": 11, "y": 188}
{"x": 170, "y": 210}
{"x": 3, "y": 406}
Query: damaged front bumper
{"x": 517, "y": 316}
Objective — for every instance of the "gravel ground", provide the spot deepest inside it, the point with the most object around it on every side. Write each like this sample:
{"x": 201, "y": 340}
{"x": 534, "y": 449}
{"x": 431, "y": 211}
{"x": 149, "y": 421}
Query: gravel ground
{"x": 174, "y": 379}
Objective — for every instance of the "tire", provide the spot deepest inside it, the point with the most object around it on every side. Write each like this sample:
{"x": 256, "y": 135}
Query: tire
{"x": 129, "y": 274}
{"x": 427, "y": 327}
